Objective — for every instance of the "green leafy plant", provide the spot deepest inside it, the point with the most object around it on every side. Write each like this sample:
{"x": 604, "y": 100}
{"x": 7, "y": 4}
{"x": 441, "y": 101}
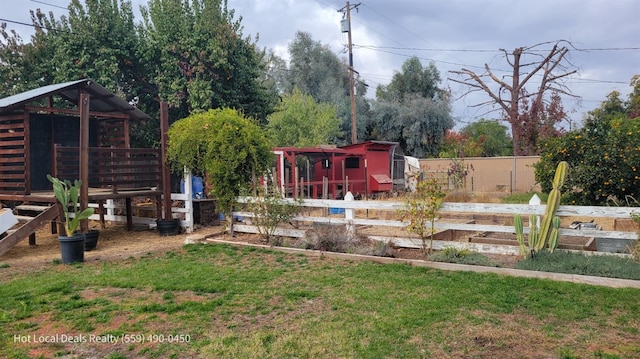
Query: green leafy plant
{"x": 67, "y": 193}
{"x": 453, "y": 252}
{"x": 603, "y": 154}
{"x": 223, "y": 146}
{"x": 270, "y": 210}
{"x": 421, "y": 209}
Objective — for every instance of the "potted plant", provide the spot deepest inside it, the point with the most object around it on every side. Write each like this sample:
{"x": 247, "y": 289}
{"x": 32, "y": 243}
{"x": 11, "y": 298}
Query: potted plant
{"x": 72, "y": 242}
{"x": 91, "y": 239}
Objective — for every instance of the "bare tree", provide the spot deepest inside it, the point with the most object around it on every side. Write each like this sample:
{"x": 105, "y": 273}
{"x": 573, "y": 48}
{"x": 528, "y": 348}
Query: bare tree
{"x": 551, "y": 70}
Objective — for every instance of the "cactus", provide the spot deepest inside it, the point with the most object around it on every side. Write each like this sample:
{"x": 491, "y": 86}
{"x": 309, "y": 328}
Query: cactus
{"x": 534, "y": 236}
{"x": 555, "y": 234}
{"x": 552, "y": 204}
{"x": 533, "y": 239}
{"x": 517, "y": 223}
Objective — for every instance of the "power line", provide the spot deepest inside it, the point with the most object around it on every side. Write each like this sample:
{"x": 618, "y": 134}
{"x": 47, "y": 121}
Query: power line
{"x": 17, "y": 22}
{"x": 34, "y": 26}
{"x": 395, "y": 23}
{"x": 486, "y": 50}
{"x": 424, "y": 58}
{"x": 48, "y": 4}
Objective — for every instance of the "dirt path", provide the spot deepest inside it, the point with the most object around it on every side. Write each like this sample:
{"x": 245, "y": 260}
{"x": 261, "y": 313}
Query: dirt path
{"x": 115, "y": 243}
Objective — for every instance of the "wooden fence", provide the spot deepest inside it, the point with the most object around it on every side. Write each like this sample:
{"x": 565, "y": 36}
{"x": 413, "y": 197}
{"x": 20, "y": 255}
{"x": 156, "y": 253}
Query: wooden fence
{"x": 375, "y": 218}
{"x": 112, "y": 167}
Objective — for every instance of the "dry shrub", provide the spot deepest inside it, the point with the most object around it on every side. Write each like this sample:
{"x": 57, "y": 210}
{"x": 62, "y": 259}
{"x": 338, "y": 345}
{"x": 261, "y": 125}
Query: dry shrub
{"x": 458, "y": 196}
{"x": 484, "y": 197}
{"x": 326, "y": 237}
{"x": 334, "y": 238}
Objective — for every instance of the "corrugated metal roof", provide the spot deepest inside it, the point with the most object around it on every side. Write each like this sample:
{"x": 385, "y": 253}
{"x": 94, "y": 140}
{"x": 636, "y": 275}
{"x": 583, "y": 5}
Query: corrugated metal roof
{"x": 102, "y": 100}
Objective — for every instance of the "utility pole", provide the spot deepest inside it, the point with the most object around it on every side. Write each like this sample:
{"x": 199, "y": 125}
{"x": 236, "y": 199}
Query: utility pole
{"x": 346, "y": 27}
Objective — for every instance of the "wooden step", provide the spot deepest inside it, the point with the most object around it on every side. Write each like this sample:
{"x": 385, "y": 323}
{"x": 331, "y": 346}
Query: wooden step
{"x": 31, "y": 207}
{"x": 22, "y": 218}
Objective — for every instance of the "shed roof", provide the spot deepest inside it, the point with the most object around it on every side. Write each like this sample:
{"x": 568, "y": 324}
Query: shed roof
{"x": 102, "y": 100}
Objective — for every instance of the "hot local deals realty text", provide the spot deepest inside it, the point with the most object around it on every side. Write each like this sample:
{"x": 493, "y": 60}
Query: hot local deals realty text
{"x": 67, "y": 338}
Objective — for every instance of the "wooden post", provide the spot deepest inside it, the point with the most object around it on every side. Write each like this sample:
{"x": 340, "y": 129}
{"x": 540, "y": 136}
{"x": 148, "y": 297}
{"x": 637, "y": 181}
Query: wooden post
{"x": 166, "y": 174}
{"x": 84, "y": 155}
{"x": 349, "y": 215}
{"x": 295, "y": 182}
{"x": 366, "y": 180}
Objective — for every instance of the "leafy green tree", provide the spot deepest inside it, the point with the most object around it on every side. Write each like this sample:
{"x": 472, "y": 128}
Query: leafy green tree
{"x": 455, "y": 145}
{"x": 190, "y": 53}
{"x": 300, "y": 121}
{"x": 315, "y": 69}
{"x": 412, "y": 110}
{"x": 414, "y": 79}
{"x": 318, "y": 72}
{"x": 223, "y": 146}
{"x": 633, "y": 106}
{"x": 96, "y": 40}
{"x": 277, "y": 75}
{"x": 604, "y": 156}
{"x": 198, "y": 59}
{"x": 491, "y": 136}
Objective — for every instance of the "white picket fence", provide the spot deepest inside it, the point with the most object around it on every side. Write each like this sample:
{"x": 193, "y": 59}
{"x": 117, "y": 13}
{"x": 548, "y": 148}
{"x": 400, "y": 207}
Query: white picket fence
{"x": 353, "y": 208}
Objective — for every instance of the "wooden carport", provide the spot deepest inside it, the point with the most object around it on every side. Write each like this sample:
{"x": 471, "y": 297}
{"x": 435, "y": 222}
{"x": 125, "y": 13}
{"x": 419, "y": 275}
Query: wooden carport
{"x": 72, "y": 130}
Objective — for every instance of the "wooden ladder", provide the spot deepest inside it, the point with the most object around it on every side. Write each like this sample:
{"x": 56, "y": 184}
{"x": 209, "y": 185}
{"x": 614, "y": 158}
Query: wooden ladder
{"x": 30, "y": 224}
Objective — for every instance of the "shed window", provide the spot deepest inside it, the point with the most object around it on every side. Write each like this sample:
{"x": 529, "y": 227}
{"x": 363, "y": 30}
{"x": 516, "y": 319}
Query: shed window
{"x": 352, "y": 162}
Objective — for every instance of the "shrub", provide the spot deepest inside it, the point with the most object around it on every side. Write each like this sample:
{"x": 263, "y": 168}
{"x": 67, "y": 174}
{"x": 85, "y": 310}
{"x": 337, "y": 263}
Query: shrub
{"x": 326, "y": 237}
{"x": 421, "y": 209}
{"x": 270, "y": 210}
{"x": 577, "y": 263}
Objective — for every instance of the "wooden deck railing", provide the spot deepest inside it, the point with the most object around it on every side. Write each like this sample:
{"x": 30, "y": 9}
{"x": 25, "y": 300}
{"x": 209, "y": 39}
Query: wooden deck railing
{"x": 116, "y": 168}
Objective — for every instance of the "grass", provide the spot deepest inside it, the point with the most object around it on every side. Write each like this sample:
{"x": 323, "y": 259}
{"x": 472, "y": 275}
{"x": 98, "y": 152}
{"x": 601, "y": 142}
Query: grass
{"x": 524, "y": 197}
{"x": 250, "y": 303}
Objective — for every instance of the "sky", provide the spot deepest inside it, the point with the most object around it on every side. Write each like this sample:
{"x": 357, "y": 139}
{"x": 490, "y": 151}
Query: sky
{"x": 603, "y": 38}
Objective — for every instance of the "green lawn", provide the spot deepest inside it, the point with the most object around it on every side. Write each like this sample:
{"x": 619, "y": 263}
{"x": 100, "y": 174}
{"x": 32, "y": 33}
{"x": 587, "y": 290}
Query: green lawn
{"x": 218, "y": 301}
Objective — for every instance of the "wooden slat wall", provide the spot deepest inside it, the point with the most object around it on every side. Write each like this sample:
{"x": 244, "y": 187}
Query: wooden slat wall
{"x": 112, "y": 167}
{"x": 12, "y": 155}
{"x": 113, "y": 133}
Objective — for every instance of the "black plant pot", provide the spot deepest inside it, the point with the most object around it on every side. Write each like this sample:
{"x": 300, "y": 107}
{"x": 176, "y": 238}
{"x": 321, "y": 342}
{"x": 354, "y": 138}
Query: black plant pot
{"x": 72, "y": 248}
{"x": 91, "y": 239}
{"x": 168, "y": 227}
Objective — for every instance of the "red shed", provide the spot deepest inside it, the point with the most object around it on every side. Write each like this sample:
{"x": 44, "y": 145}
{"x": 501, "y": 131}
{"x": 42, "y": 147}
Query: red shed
{"x": 365, "y": 169}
